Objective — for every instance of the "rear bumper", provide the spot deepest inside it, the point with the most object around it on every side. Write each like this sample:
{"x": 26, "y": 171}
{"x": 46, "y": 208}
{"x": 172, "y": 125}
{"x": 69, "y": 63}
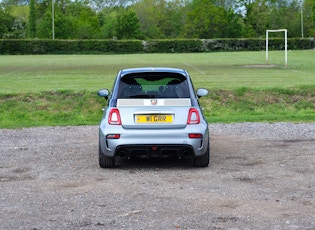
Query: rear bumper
{"x": 155, "y": 143}
{"x": 154, "y": 151}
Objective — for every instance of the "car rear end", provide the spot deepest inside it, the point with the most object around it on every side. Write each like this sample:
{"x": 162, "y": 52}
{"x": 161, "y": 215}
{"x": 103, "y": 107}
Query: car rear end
{"x": 147, "y": 121}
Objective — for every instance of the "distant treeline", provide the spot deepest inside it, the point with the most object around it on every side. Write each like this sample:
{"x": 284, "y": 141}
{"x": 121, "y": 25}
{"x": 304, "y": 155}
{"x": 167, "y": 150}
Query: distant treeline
{"x": 154, "y": 19}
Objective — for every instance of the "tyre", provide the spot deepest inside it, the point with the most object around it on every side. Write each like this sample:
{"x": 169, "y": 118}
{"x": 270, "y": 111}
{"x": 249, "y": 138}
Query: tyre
{"x": 104, "y": 161}
{"x": 203, "y": 161}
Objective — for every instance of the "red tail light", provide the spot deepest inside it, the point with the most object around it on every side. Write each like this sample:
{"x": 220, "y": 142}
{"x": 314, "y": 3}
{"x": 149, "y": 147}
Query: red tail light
{"x": 114, "y": 117}
{"x": 193, "y": 117}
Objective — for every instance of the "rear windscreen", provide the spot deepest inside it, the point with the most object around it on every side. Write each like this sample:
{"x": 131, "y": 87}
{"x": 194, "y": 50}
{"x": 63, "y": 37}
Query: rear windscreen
{"x": 153, "y": 85}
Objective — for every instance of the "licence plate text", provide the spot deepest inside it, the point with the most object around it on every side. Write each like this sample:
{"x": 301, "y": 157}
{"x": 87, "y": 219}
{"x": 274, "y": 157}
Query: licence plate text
{"x": 156, "y": 118}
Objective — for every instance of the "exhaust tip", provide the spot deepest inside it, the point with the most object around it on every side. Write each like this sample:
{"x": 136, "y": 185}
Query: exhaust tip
{"x": 122, "y": 154}
{"x": 187, "y": 154}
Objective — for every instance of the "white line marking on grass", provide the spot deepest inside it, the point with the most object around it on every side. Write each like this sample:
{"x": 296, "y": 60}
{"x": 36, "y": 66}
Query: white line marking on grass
{"x": 195, "y": 68}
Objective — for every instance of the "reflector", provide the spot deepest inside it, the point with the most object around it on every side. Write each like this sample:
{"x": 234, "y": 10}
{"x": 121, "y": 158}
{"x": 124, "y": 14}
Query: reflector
{"x": 113, "y": 136}
{"x": 195, "y": 135}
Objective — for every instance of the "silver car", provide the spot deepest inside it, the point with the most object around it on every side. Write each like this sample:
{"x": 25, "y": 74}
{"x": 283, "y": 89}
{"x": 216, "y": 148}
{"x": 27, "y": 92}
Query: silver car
{"x": 153, "y": 113}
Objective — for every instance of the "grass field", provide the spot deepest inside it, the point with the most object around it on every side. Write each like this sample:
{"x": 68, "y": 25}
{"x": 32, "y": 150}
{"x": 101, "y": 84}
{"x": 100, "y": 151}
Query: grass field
{"x": 60, "y": 89}
{"x": 225, "y": 70}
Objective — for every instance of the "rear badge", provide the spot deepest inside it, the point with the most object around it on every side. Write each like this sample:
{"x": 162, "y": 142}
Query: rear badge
{"x": 153, "y": 102}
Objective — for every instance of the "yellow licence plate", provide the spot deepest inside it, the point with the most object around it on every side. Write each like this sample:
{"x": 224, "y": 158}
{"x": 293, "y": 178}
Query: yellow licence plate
{"x": 154, "y": 118}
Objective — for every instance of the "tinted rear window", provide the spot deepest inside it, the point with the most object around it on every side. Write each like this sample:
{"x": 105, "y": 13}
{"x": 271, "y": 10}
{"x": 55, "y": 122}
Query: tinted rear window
{"x": 153, "y": 85}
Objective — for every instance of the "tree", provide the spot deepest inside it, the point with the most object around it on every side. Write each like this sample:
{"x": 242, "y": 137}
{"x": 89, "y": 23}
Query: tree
{"x": 108, "y": 20}
{"x": 86, "y": 24}
{"x": 172, "y": 18}
{"x": 149, "y": 13}
{"x": 73, "y": 20}
{"x": 309, "y": 18}
{"x": 257, "y": 14}
{"x": 235, "y": 27}
{"x": 32, "y": 19}
{"x": 285, "y": 15}
{"x": 6, "y": 22}
{"x": 12, "y": 20}
{"x": 44, "y": 27}
{"x": 205, "y": 20}
{"x": 154, "y": 19}
{"x": 128, "y": 26}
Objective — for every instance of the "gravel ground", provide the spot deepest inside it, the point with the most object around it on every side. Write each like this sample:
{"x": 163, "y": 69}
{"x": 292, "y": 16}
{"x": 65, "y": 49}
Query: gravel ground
{"x": 261, "y": 176}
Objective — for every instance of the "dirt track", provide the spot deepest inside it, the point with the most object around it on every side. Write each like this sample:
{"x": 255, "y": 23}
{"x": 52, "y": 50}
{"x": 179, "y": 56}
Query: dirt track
{"x": 262, "y": 176}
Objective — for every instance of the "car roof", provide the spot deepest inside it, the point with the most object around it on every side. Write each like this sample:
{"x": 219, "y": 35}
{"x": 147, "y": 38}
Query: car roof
{"x": 152, "y": 70}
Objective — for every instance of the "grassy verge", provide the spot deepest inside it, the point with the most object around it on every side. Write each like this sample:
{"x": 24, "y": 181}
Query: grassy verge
{"x": 243, "y": 104}
{"x": 256, "y": 105}
{"x": 58, "y": 108}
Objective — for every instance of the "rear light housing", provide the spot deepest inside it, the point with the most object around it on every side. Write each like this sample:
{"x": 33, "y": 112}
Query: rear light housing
{"x": 193, "y": 116}
{"x": 114, "y": 117}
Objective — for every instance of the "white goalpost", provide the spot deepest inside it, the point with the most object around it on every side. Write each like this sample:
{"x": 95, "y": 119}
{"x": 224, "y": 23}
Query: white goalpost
{"x": 285, "y": 44}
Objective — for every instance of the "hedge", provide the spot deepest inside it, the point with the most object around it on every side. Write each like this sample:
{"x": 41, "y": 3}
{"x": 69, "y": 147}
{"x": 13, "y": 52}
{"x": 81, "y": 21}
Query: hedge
{"x": 49, "y": 46}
